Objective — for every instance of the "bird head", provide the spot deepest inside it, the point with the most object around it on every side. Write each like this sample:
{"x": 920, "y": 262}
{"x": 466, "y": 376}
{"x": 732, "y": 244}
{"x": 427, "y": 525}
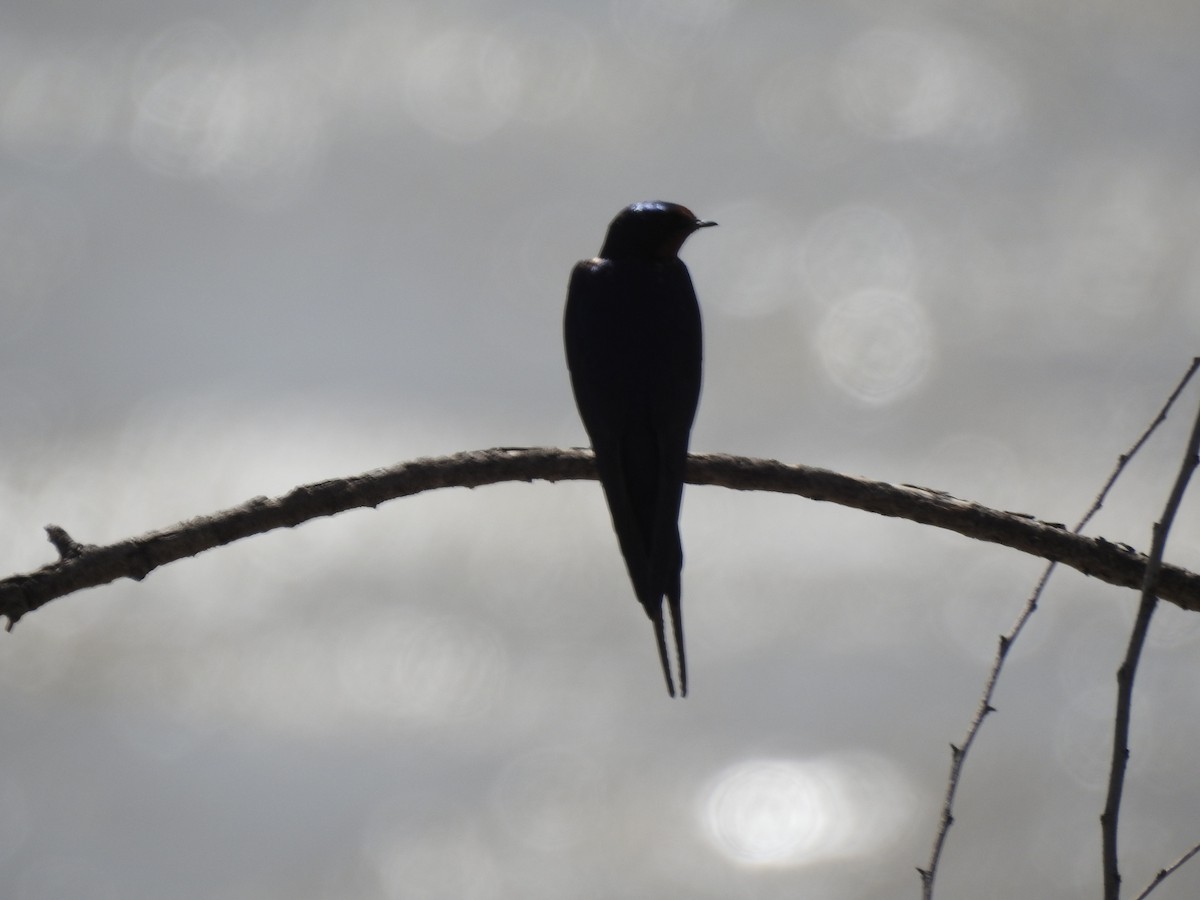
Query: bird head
{"x": 652, "y": 230}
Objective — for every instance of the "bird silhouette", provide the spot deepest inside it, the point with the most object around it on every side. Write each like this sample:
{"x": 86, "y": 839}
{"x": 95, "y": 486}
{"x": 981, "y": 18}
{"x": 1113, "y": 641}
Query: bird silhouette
{"x": 634, "y": 350}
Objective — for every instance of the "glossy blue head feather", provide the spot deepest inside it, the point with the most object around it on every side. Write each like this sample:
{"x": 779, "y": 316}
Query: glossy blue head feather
{"x": 650, "y": 230}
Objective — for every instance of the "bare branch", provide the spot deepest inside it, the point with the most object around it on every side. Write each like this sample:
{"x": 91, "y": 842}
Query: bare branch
{"x": 1164, "y": 874}
{"x": 959, "y": 756}
{"x": 1109, "y": 819}
{"x": 137, "y": 557}
{"x": 1123, "y": 461}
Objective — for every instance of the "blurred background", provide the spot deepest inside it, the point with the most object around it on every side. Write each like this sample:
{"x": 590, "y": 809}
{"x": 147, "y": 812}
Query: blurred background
{"x": 249, "y": 245}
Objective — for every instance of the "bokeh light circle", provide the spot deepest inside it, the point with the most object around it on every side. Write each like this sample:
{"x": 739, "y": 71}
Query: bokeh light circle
{"x": 784, "y": 812}
{"x": 769, "y": 811}
{"x": 875, "y": 345}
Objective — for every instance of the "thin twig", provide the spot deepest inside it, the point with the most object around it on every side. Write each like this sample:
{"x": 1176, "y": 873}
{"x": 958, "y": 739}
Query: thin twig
{"x": 959, "y": 753}
{"x": 1164, "y": 874}
{"x": 1123, "y": 461}
{"x": 1109, "y": 819}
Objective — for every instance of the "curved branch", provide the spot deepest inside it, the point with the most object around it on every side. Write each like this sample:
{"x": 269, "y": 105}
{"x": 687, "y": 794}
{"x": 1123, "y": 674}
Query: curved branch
{"x": 86, "y": 565}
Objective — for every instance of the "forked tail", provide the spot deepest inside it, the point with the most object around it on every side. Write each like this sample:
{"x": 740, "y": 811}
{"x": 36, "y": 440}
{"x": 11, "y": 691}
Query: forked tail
{"x": 661, "y": 638}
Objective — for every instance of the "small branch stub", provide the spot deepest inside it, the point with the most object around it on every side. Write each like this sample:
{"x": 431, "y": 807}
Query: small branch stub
{"x": 67, "y": 546}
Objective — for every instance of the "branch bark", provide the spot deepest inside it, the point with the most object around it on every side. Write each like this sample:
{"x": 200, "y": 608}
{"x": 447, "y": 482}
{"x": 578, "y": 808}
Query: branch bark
{"x": 86, "y": 565}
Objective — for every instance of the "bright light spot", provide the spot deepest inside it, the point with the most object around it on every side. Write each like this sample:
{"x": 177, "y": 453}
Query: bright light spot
{"x": 463, "y": 85}
{"x": 876, "y": 346}
{"x": 793, "y": 813}
{"x": 770, "y": 812}
{"x": 904, "y": 85}
{"x": 858, "y": 248}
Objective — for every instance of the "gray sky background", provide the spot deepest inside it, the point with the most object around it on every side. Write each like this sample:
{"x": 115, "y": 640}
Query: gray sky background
{"x": 245, "y": 246}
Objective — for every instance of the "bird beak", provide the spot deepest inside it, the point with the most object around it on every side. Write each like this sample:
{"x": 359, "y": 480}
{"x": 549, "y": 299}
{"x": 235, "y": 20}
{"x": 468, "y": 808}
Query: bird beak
{"x": 702, "y": 224}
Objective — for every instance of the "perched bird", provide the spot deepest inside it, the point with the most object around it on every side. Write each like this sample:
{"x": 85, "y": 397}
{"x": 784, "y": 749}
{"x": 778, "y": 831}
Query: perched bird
{"x": 633, "y": 342}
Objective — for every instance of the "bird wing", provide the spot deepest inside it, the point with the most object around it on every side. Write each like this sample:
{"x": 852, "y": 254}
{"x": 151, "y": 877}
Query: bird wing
{"x": 633, "y": 340}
